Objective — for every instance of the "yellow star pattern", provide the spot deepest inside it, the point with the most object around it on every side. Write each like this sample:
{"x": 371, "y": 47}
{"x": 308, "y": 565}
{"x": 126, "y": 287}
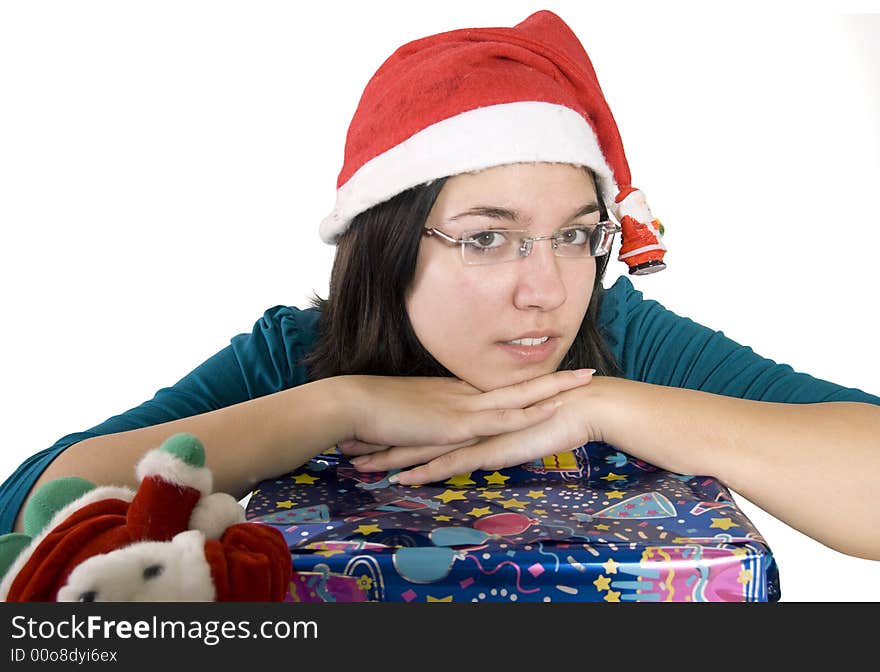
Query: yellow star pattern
{"x": 540, "y": 512}
{"x": 602, "y": 526}
{"x": 431, "y": 598}
{"x": 611, "y": 566}
{"x": 602, "y": 583}
{"x": 328, "y": 553}
{"x": 615, "y": 494}
{"x": 460, "y": 480}
{"x": 723, "y": 523}
{"x": 611, "y": 476}
{"x": 476, "y": 513}
{"x": 535, "y": 494}
{"x": 451, "y": 495}
{"x": 512, "y": 503}
{"x": 305, "y": 478}
{"x": 442, "y": 518}
{"x": 496, "y": 479}
{"x": 490, "y": 494}
{"x": 367, "y": 529}
{"x": 286, "y": 504}
{"x": 612, "y": 596}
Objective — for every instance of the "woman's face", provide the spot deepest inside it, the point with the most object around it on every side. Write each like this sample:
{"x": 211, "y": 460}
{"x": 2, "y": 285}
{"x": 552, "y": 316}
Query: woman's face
{"x": 466, "y": 316}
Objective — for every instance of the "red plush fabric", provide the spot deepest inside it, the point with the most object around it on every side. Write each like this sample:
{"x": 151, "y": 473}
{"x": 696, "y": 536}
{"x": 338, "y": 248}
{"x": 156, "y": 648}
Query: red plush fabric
{"x": 440, "y": 76}
{"x": 60, "y": 551}
{"x": 160, "y": 509}
{"x": 256, "y": 562}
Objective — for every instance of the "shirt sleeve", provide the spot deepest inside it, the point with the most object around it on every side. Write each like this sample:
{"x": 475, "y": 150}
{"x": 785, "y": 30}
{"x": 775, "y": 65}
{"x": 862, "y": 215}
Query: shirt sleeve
{"x": 264, "y": 361}
{"x": 654, "y": 345}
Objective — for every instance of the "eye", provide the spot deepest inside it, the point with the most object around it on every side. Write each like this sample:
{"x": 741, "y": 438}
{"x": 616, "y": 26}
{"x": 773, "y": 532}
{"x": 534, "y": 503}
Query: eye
{"x": 576, "y": 235}
{"x": 152, "y": 572}
{"x": 88, "y": 596}
{"x": 485, "y": 240}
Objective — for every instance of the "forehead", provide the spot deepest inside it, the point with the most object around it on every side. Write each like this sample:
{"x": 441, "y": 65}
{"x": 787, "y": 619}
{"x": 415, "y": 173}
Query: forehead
{"x": 524, "y": 181}
{"x": 538, "y": 191}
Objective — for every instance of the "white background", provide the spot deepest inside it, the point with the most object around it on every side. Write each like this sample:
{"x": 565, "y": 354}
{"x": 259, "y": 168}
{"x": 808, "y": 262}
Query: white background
{"x": 164, "y": 167}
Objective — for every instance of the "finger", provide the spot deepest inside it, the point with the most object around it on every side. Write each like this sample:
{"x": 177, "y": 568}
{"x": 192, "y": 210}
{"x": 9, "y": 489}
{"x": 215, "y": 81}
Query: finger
{"x": 399, "y": 457}
{"x": 506, "y": 420}
{"x": 355, "y": 447}
{"x": 461, "y": 461}
{"x": 532, "y": 391}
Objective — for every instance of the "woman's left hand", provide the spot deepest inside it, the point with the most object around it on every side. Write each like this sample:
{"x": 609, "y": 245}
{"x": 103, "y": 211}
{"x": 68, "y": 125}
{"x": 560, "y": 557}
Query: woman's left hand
{"x": 566, "y": 429}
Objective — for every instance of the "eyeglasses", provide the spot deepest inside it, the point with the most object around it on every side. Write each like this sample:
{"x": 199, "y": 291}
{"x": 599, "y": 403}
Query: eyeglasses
{"x": 497, "y": 246}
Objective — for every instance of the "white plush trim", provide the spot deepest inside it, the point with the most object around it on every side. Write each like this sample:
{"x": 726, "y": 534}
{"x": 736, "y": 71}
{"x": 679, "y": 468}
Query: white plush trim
{"x": 118, "y": 576}
{"x": 214, "y": 513}
{"x": 95, "y": 495}
{"x": 171, "y": 468}
{"x": 523, "y": 132}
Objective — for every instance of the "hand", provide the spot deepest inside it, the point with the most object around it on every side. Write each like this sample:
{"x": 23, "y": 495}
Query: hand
{"x": 566, "y": 429}
{"x": 428, "y": 411}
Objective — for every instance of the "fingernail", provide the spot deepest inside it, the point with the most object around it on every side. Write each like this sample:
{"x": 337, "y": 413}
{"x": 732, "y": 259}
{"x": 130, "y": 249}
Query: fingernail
{"x": 584, "y": 373}
{"x": 393, "y": 478}
{"x": 360, "y": 460}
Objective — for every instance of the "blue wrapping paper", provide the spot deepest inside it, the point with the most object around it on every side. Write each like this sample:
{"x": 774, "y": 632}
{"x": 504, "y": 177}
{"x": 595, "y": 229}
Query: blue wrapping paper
{"x": 591, "y": 524}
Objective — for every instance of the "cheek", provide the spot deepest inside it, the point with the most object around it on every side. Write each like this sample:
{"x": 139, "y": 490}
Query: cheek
{"x": 446, "y": 303}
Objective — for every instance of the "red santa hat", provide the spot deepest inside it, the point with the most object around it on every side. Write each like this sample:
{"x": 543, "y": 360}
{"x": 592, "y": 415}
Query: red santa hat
{"x": 470, "y": 99}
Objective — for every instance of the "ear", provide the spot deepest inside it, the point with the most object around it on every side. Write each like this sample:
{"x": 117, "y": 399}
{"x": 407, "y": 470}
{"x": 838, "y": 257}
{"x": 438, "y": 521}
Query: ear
{"x": 50, "y": 498}
{"x": 10, "y": 546}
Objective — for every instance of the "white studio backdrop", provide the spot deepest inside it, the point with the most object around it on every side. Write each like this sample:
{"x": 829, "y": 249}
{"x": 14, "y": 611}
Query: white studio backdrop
{"x": 164, "y": 166}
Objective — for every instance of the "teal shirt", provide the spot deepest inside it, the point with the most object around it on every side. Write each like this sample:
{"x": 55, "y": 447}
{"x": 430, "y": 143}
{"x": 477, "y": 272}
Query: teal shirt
{"x": 650, "y": 343}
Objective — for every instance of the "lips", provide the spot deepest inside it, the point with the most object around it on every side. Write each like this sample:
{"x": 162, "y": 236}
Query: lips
{"x": 532, "y": 334}
{"x": 530, "y": 354}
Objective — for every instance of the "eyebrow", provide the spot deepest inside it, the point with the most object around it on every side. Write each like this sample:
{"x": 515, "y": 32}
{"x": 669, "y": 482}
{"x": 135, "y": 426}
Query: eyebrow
{"x": 514, "y": 215}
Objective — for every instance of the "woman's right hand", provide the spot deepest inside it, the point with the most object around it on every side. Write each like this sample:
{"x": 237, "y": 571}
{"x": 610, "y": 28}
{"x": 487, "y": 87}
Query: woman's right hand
{"x": 416, "y": 411}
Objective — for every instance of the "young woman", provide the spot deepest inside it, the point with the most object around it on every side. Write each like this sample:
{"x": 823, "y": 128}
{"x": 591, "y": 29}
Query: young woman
{"x": 430, "y": 352}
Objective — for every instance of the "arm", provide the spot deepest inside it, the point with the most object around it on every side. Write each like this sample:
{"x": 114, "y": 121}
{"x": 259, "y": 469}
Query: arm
{"x": 271, "y": 435}
{"x": 245, "y": 442}
{"x": 810, "y": 465}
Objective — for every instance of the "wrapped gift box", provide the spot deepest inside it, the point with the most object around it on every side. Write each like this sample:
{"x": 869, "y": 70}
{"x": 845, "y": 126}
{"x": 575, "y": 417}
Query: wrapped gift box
{"x": 592, "y": 524}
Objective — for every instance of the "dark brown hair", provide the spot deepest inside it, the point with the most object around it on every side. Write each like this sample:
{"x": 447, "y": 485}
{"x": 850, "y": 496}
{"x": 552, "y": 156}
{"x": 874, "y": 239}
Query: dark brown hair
{"x": 364, "y": 327}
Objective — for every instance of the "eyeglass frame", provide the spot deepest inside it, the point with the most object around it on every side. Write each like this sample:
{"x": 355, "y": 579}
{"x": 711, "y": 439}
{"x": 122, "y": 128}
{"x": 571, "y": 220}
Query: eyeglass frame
{"x": 525, "y": 248}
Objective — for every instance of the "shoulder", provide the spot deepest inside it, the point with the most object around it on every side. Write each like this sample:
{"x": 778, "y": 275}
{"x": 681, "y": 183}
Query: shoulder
{"x": 622, "y": 305}
{"x": 289, "y": 320}
{"x": 277, "y": 344}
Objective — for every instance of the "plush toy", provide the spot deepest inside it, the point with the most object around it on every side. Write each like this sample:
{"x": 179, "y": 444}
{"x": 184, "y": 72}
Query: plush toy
{"x": 172, "y": 540}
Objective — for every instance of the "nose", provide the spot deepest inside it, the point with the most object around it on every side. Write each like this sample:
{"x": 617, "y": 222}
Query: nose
{"x": 539, "y": 282}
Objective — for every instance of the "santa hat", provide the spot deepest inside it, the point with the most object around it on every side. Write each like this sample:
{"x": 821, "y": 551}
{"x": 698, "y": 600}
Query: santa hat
{"x": 470, "y": 99}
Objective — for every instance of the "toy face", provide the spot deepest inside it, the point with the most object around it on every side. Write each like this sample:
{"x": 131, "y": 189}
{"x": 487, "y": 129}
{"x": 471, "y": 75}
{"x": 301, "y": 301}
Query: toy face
{"x": 149, "y": 571}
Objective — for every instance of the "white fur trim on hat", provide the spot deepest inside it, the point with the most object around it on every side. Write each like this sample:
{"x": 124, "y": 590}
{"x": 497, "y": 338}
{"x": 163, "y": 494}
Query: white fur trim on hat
{"x": 214, "y": 513}
{"x": 523, "y": 132}
{"x": 174, "y": 470}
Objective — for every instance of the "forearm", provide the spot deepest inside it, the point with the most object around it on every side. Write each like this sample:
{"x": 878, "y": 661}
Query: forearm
{"x": 813, "y": 466}
{"x": 244, "y": 443}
